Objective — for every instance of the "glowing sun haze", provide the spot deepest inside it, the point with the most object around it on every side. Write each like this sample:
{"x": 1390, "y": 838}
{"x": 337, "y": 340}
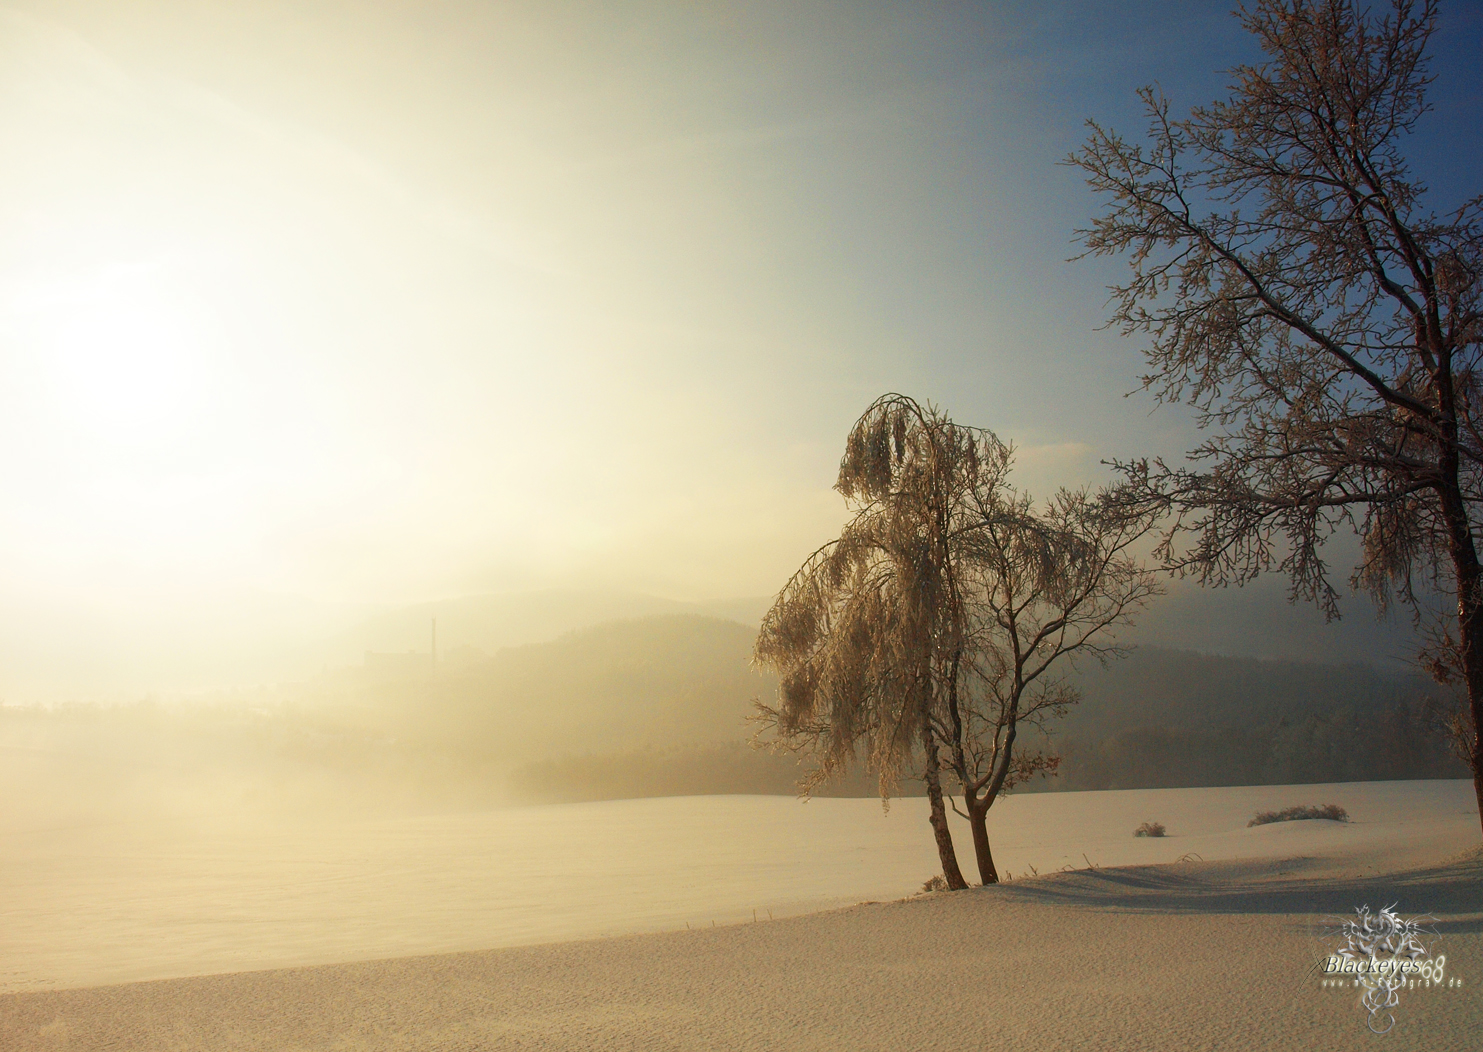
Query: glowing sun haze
{"x": 324, "y": 304}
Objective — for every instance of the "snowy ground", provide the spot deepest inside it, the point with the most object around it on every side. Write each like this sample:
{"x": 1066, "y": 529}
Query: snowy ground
{"x": 130, "y": 897}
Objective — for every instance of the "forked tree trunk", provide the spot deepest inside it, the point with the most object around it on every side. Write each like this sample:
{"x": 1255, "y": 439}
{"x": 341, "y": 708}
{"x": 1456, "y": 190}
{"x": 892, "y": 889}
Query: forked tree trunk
{"x": 978, "y": 809}
{"x": 945, "y": 852}
{"x": 978, "y": 816}
{"x": 978, "y": 813}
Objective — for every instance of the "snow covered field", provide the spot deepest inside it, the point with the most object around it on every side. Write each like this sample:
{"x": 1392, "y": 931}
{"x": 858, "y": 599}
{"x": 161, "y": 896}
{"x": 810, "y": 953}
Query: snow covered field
{"x": 131, "y": 897}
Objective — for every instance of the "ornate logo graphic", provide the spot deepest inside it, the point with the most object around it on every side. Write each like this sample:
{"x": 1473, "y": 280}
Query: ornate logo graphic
{"x": 1383, "y": 953}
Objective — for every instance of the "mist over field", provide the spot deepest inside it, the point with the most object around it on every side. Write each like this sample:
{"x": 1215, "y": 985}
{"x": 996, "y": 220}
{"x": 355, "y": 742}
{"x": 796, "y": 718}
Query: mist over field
{"x": 658, "y": 705}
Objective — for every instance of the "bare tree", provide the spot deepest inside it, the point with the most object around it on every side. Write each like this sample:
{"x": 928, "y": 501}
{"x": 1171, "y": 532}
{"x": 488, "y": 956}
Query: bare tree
{"x": 1322, "y": 323}
{"x": 1040, "y": 588}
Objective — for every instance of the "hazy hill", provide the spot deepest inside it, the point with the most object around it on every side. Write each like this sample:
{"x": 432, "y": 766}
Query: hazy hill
{"x": 496, "y": 621}
{"x": 1255, "y": 621}
{"x": 659, "y": 705}
{"x": 247, "y": 638}
{"x": 649, "y": 706}
{"x": 1163, "y": 718}
{"x": 1185, "y": 690}
{"x": 656, "y": 681}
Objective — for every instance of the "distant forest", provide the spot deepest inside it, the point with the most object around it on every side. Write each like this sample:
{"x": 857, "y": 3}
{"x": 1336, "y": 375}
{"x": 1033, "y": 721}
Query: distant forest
{"x": 1157, "y": 719}
{"x": 657, "y": 707}
{"x": 1170, "y": 719}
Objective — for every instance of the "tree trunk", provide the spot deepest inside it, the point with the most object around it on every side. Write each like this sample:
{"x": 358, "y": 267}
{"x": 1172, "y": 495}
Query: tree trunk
{"x": 978, "y": 810}
{"x": 1476, "y": 756}
{"x": 978, "y": 819}
{"x": 950, "y": 871}
{"x": 1470, "y": 639}
{"x": 1469, "y": 578}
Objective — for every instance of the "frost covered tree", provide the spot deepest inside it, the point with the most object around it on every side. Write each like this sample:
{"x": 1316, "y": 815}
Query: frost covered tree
{"x": 925, "y": 634}
{"x": 1323, "y": 322}
{"x": 862, "y": 635}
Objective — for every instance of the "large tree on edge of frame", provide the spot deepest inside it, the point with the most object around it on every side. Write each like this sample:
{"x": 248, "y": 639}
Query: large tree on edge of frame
{"x": 1323, "y": 324}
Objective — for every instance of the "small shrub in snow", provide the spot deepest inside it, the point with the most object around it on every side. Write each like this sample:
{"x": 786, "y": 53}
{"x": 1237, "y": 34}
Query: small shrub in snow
{"x": 1150, "y": 829}
{"x": 937, "y": 883}
{"x": 1332, "y": 812}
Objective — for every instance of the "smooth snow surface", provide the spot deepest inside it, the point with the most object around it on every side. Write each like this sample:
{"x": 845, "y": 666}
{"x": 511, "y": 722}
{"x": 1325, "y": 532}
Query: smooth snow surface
{"x": 131, "y": 899}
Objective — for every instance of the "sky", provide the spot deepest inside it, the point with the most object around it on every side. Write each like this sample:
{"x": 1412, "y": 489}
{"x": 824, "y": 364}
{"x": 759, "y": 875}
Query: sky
{"x": 312, "y": 307}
